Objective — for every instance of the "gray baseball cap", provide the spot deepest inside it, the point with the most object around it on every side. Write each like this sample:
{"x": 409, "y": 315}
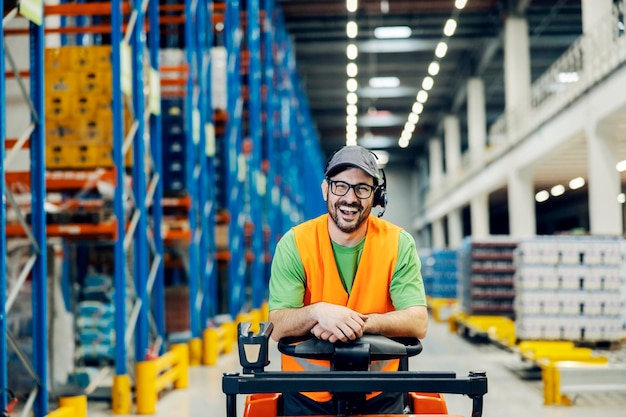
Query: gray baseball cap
{"x": 353, "y": 156}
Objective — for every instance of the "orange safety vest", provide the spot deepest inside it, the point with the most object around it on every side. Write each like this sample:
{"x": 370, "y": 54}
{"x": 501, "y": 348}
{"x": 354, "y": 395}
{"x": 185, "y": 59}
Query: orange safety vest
{"x": 370, "y": 290}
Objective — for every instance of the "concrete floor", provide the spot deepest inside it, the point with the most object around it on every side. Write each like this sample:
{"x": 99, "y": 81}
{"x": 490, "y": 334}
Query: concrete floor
{"x": 508, "y": 395}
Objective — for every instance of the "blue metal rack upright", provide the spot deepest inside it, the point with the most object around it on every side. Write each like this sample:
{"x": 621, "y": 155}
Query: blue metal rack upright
{"x": 156, "y": 134}
{"x": 192, "y": 161}
{"x": 256, "y": 179}
{"x": 37, "y": 234}
{"x": 4, "y": 379}
{"x": 206, "y": 194}
{"x": 121, "y": 391}
{"x": 234, "y": 159}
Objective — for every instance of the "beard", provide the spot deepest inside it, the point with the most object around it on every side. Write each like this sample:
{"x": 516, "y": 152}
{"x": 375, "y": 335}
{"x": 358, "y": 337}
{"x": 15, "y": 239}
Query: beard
{"x": 348, "y": 226}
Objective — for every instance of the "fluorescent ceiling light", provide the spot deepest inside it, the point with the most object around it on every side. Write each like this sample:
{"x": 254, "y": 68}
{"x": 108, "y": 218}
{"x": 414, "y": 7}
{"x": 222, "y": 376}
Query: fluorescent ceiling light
{"x": 351, "y": 98}
{"x": 557, "y": 190}
{"x": 542, "y": 196}
{"x": 450, "y": 27}
{"x": 621, "y": 198}
{"x": 576, "y": 183}
{"x": 351, "y": 129}
{"x": 621, "y": 166}
{"x": 433, "y": 68}
{"x": 352, "y": 29}
{"x": 428, "y": 83}
{"x": 352, "y": 51}
{"x": 417, "y": 108}
{"x": 392, "y": 32}
{"x": 441, "y": 49}
{"x": 422, "y": 96}
{"x": 350, "y": 119}
{"x": 382, "y": 157}
{"x": 460, "y": 4}
{"x": 405, "y": 135}
{"x": 409, "y": 127}
{"x": 352, "y": 85}
{"x": 384, "y": 82}
{"x": 352, "y": 70}
{"x": 351, "y": 5}
{"x": 414, "y": 118}
{"x": 351, "y": 110}
{"x": 403, "y": 143}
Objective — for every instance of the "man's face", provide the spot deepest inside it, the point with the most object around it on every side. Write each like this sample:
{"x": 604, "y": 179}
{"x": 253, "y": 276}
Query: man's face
{"x": 349, "y": 212}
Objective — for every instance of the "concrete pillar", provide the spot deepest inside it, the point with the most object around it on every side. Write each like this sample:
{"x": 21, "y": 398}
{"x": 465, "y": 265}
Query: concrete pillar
{"x": 593, "y": 11}
{"x": 452, "y": 137}
{"x": 479, "y": 215}
{"x": 521, "y": 194}
{"x": 438, "y": 237}
{"x": 605, "y": 212}
{"x": 455, "y": 229}
{"x": 516, "y": 72}
{"x": 435, "y": 162}
{"x": 476, "y": 119}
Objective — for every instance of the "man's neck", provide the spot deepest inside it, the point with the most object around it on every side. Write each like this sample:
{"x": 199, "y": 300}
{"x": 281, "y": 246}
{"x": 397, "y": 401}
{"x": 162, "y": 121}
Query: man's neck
{"x": 346, "y": 239}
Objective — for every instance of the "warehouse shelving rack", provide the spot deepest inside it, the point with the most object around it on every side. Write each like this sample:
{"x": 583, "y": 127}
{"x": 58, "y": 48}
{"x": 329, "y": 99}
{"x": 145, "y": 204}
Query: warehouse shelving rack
{"x": 148, "y": 277}
{"x": 235, "y": 162}
{"x": 4, "y": 378}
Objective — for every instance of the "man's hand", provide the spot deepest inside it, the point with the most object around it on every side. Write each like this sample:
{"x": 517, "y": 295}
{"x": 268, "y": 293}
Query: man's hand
{"x": 336, "y": 322}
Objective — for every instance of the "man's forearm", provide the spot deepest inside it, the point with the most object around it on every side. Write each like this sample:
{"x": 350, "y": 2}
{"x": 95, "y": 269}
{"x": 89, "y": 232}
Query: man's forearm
{"x": 292, "y": 321}
{"x": 411, "y": 322}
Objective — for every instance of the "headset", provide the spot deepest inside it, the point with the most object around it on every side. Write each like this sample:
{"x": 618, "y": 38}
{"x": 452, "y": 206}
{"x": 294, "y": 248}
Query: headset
{"x": 381, "y": 199}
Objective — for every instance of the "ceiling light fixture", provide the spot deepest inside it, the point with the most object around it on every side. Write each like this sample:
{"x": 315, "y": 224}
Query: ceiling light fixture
{"x": 351, "y": 5}
{"x": 567, "y": 77}
{"x": 414, "y": 118}
{"x": 382, "y": 157}
{"x": 352, "y": 70}
{"x": 557, "y": 190}
{"x": 441, "y": 49}
{"x": 352, "y": 51}
{"x": 433, "y": 68}
{"x": 542, "y": 196}
{"x": 576, "y": 183}
{"x": 422, "y": 96}
{"x": 460, "y": 4}
{"x": 351, "y": 98}
{"x": 351, "y": 110}
{"x": 450, "y": 27}
{"x": 621, "y": 166}
{"x": 352, "y": 30}
{"x": 417, "y": 108}
{"x": 352, "y": 85}
{"x": 384, "y": 82}
{"x": 428, "y": 83}
{"x": 392, "y": 32}
{"x": 621, "y": 198}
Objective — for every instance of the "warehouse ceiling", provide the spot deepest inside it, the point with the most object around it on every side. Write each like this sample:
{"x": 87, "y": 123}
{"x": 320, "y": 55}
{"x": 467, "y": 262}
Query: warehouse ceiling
{"x": 318, "y": 31}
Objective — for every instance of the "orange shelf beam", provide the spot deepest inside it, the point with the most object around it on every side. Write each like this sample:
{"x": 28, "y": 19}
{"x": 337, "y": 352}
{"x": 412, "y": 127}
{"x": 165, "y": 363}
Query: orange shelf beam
{"x": 71, "y": 231}
{"x": 64, "y": 180}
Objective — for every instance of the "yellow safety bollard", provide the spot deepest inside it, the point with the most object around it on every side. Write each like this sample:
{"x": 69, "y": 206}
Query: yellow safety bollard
{"x": 182, "y": 353}
{"x": 210, "y": 346}
{"x": 78, "y": 403}
{"x": 195, "y": 352}
{"x": 230, "y": 337}
{"x": 146, "y": 387}
{"x": 121, "y": 399}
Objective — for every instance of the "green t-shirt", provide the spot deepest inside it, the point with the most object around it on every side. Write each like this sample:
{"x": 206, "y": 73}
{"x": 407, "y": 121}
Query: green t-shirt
{"x": 287, "y": 281}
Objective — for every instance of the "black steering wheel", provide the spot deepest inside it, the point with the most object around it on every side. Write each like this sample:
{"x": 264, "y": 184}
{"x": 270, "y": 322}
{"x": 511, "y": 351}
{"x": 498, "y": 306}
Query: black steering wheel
{"x": 379, "y": 347}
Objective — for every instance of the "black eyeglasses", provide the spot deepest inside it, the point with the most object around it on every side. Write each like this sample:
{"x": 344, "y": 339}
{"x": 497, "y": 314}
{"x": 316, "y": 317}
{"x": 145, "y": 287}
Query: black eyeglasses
{"x": 341, "y": 188}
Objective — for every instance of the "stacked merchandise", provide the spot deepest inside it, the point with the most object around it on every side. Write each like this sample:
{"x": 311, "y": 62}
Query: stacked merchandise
{"x": 486, "y": 276}
{"x": 570, "y": 288}
{"x": 78, "y": 107}
{"x": 439, "y": 272}
{"x": 95, "y": 320}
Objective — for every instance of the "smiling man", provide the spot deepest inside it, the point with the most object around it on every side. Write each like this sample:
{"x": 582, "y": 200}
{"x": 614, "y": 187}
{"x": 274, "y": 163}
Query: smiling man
{"x": 344, "y": 274}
